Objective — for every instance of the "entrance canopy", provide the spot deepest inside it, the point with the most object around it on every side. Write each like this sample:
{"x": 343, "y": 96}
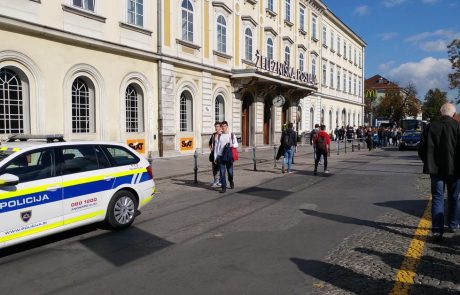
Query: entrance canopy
{"x": 270, "y": 84}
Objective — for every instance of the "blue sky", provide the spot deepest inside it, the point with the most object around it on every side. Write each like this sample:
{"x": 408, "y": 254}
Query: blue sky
{"x": 406, "y": 39}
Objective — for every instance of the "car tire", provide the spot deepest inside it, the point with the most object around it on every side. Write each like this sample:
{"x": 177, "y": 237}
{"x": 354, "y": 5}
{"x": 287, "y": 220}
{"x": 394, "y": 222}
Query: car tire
{"x": 122, "y": 210}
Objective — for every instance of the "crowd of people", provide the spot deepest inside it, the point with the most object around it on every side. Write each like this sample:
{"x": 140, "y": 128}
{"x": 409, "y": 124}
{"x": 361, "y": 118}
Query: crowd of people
{"x": 375, "y": 137}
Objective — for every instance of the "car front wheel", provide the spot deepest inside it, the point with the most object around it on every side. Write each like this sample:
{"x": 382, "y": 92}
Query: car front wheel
{"x": 121, "y": 211}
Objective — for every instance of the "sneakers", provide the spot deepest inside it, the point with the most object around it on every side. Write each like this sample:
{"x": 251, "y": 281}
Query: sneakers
{"x": 326, "y": 171}
{"x": 282, "y": 170}
{"x": 216, "y": 184}
{"x": 232, "y": 185}
{"x": 453, "y": 230}
{"x": 223, "y": 190}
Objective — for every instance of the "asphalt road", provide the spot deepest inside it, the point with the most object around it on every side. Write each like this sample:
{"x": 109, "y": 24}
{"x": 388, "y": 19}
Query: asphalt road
{"x": 271, "y": 235}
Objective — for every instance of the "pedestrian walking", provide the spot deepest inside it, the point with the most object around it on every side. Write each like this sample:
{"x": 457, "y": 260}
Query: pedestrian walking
{"x": 289, "y": 143}
{"x": 440, "y": 152}
{"x": 223, "y": 155}
{"x": 312, "y": 135}
{"x": 212, "y": 144}
{"x": 322, "y": 143}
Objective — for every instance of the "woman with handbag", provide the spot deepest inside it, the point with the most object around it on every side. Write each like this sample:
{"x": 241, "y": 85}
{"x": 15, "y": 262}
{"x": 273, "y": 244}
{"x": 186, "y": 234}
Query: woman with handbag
{"x": 212, "y": 144}
{"x": 224, "y": 151}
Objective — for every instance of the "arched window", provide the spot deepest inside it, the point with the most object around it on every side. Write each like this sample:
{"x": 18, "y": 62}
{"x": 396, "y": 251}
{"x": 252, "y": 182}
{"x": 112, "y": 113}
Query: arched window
{"x": 83, "y": 107}
{"x": 330, "y": 120}
{"x": 248, "y": 44}
{"x": 186, "y": 112}
{"x": 221, "y": 34}
{"x": 219, "y": 109}
{"x": 301, "y": 62}
{"x": 269, "y": 48}
{"x": 134, "y": 109}
{"x": 14, "y": 115}
{"x": 287, "y": 55}
{"x": 187, "y": 21}
{"x": 312, "y": 118}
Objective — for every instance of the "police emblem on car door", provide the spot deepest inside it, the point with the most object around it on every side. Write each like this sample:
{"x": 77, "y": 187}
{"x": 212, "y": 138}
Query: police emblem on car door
{"x": 26, "y": 215}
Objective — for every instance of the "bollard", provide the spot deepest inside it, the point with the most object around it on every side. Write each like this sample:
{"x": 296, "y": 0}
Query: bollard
{"x": 293, "y": 154}
{"x": 345, "y": 141}
{"x": 195, "y": 169}
{"x": 274, "y": 156}
{"x": 254, "y": 157}
{"x": 338, "y": 147}
{"x": 359, "y": 144}
{"x": 352, "y": 146}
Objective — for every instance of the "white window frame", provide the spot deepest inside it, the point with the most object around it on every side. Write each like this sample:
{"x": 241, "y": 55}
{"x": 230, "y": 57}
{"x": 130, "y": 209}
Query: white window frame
{"x": 345, "y": 49}
{"x": 271, "y": 5}
{"x": 188, "y": 34}
{"x": 133, "y": 16}
{"x": 287, "y": 55}
{"x": 186, "y": 111}
{"x": 324, "y": 73}
{"x": 331, "y": 75}
{"x": 287, "y": 10}
{"x": 301, "y": 61}
{"x": 219, "y": 108}
{"x": 314, "y": 25}
{"x": 87, "y": 107}
{"x": 248, "y": 44}
{"x": 221, "y": 33}
{"x": 349, "y": 83}
{"x": 85, "y": 5}
{"x": 339, "y": 44}
{"x": 344, "y": 80}
{"x": 270, "y": 48}
{"x": 339, "y": 77}
{"x": 324, "y": 35}
{"x": 332, "y": 39}
{"x": 302, "y": 18}
{"x": 313, "y": 65}
{"x": 134, "y": 108}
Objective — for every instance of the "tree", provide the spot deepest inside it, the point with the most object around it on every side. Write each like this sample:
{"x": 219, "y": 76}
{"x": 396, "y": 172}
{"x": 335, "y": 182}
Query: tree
{"x": 454, "y": 58}
{"x": 400, "y": 103}
{"x": 434, "y": 99}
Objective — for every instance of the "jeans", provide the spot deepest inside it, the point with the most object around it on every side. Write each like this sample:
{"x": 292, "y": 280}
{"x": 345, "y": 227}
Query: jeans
{"x": 438, "y": 183}
{"x": 215, "y": 169}
{"x": 318, "y": 157}
{"x": 225, "y": 166}
{"x": 288, "y": 155}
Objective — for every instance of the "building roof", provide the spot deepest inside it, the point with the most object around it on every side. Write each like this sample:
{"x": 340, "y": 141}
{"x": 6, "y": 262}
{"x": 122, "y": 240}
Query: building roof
{"x": 379, "y": 82}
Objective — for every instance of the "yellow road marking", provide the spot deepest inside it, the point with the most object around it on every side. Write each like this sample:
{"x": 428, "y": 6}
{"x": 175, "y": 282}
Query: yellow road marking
{"x": 405, "y": 276}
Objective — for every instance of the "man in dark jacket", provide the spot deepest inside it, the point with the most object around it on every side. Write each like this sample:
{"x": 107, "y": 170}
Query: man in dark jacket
{"x": 289, "y": 144}
{"x": 440, "y": 152}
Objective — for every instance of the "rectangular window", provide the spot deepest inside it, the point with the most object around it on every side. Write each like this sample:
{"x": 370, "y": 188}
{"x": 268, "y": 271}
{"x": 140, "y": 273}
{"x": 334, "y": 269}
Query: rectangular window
{"x": 344, "y": 49}
{"x": 324, "y": 36}
{"x": 354, "y": 85}
{"x": 314, "y": 21}
{"x": 349, "y": 83}
{"x": 359, "y": 60}
{"x": 288, "y": 10}
{"x": 136, "y": 12}
{"x": 270, "y": 5}
{"x": 338, "y": 78}
{"x": 324, "y": 72}
{"x": 344, "y": 81}
{"x": 302, "y": 18}
{"x": 84, "y": 4}
{"x": 354, "y": 57}
{"x": 331, "y": 74}
{"x": 338, "y": 44}
{"x": 349, "y": 51}
{"x": 360, "y": 86}
{"x": 332, "y": 40}
{"x": 81, "y": 158}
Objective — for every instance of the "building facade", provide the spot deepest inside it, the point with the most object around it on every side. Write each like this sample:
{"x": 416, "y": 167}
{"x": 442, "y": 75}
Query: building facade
{"x": 162, "y": 72}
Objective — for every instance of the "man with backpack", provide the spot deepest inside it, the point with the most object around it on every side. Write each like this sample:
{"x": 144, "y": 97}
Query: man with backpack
{"x": 321, "y": 143}
{"x": 312, "y": 136}
{"x": 289, "y": 143}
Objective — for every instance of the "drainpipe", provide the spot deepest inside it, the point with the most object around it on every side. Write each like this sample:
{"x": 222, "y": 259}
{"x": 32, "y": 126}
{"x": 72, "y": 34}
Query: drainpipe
{"x": 160, "y": 75}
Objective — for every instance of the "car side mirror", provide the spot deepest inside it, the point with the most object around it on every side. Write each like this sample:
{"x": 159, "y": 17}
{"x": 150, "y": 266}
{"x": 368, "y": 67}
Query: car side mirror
{"x": 8, "y": 179}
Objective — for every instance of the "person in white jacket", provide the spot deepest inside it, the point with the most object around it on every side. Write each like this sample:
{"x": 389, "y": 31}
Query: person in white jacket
{"x": 223, "y": 139}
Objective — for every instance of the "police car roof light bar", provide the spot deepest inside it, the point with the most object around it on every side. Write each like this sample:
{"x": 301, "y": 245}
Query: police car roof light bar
{"x": 49, "y": 137}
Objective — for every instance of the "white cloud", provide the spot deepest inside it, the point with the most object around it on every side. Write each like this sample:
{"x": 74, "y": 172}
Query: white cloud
{"x": 388, "y": 36}
{"x": 386, "y": 67}
{"x": 392, "y": 3}
{"x": 430, "y": 1}
{"x": 426, "y": 74}
{"x": 434, "y": 41}
{"x": 362, "y": 10}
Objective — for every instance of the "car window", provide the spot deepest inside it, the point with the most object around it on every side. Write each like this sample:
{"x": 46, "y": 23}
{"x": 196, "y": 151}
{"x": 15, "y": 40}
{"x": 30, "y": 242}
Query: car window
{"x": 30, "y": 166}
{"x": 120, "y": 156}
{"x": 82, "y": 158}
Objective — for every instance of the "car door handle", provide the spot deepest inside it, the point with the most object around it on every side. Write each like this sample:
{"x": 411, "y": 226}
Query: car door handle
{"x": 108, "y": 178}
{"x": 53, "y": 188}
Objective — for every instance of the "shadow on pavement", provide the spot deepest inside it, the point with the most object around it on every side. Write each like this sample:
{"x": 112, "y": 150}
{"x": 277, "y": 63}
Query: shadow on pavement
{"x": 268, "y": 193}
{"x": 411, "y": 207}
{"x": 351, "y": 281}
{"x": 125, "y": 246}
{"x": 428, "y": 266}
{"x": 356, "y": 221}
{"x": 190, "y": 183}
{"x": 49, "y": 239}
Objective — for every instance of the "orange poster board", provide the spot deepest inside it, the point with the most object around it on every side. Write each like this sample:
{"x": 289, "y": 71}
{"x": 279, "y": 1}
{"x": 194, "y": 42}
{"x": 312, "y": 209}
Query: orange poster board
{"x": 186, "y": 144}
{"x": 137, "y": 144}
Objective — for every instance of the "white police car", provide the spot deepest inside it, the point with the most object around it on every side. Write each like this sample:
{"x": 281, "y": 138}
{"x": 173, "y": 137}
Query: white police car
{"x": 47, "y": 187}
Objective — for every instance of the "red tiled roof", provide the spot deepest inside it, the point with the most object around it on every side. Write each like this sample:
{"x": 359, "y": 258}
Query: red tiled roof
{"x": 379, "y": 82}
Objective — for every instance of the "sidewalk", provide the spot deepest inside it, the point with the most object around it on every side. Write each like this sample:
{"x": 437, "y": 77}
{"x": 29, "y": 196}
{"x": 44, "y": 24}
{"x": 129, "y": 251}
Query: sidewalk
{"x": 164, "y": 168}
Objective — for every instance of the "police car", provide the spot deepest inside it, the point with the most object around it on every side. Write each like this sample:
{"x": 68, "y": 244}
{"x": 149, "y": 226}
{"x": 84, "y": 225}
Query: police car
{"x": 51, "y": 186}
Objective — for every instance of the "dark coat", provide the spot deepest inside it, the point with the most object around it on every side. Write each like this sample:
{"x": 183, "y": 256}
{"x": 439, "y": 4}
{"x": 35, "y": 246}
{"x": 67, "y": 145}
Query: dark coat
{"x": 292, "y": 138}
{"x": 227, "y": 156}
{"x": 440, "y": 147}
{"x": 280, "y": 152}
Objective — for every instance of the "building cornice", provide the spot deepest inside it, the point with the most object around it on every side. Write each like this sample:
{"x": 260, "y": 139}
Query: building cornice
{"x": 223, "y": 6}
{"x": 248, "y": 18}
{"x": 271, "y": 30}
